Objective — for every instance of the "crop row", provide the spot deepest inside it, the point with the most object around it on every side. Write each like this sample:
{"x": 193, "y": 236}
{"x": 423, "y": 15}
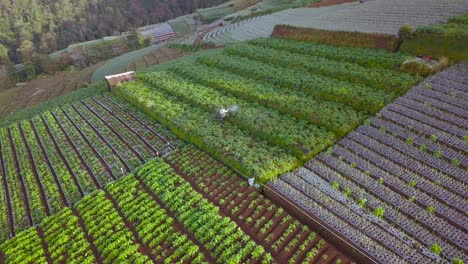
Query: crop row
{"x": 285, "y": 238}
{"x": 152, "y": 217}
{"x": 368, "y": 58}
{"x": 384, "y": 79}
{"x": 361, "y": 98}
{"x": 403, "y": 173}
{"x": 222, "y": 139}
{"x": 339, "y": 118}
{"x": 278, "y": 129}
{"x": 56, "y": 158}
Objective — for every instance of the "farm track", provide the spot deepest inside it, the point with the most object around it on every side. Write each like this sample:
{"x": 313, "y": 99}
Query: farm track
{"x": 413, "y": 153}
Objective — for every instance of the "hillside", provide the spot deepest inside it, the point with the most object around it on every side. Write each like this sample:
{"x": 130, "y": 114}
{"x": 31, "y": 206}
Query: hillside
{"x": 252, "y": 132}
{"x": 47, "y": 26}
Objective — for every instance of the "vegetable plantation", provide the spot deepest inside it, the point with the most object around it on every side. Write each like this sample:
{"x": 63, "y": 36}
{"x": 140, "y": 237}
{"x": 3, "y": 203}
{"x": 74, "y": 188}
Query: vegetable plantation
{"x": 158, "y": 216}
{"x": 294, "y": 102}
{"x": 56, "y": 158}
{"x": 396, "y": 186}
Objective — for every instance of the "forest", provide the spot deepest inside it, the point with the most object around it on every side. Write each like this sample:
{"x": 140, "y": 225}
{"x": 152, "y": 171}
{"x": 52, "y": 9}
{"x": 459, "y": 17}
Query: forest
{"x": 31, "y": 27}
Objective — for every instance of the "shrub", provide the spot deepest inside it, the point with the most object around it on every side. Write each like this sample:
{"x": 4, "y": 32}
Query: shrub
{"x": 423, "y": 67}
{"x": 405, "y": 32}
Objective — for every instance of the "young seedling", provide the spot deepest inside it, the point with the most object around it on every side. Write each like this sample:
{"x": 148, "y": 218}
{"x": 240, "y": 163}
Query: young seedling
{"x": 347, "y": 192}
{"x": 362, "y": 202}
{"x": 379, "y": 212}
{"x": 353, "y": 164}
{"x": 431, "y": 209}
{"x": 428, "y": 86}
{"x": 412, "y": 183}
{"x": 455, "y": 162}
{"x": 411, "y": 199}
{"x": 434, "y": 137}
{"x": 457, "y": 261}
{"x": 335, "y": 185}
{"x": 423, "y": 147}
{"x": 382, "y": 129}
{"x": 438, "y": 154}
{"x": 435, "y": 248}
{"x": 409, "y": 141}
{"x": 381, "y": 180}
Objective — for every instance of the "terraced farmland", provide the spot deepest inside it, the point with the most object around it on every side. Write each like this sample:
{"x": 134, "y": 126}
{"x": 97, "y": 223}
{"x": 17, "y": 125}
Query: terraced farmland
{"x": 283, "y": 98}
{"x": 55, "y": 159}
{"x": 156, "y": 216}
{"x": 396, "y": 186}
{"x": 382, "y": 16}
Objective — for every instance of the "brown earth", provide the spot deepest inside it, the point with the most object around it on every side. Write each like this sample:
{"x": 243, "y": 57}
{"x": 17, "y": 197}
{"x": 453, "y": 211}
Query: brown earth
{"x": 43, "y": 88}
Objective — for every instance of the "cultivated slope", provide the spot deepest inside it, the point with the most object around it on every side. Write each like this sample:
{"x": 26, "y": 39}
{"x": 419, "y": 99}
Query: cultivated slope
{"x": 396, "y": 186}
{"x": 383, "y": 16}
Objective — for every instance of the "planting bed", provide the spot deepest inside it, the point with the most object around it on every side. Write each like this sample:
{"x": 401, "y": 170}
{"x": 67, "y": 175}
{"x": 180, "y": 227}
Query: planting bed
{"x": 283, "y": 96}
{"x": 285, "y": 238}
{"x": 396, "y": 186}
{"x": 54, "y": 159}
{"x": 157, "y": 216}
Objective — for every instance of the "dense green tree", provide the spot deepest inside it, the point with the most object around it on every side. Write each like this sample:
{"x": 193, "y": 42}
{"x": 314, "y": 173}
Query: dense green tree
{"x": 53, "y": 25}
